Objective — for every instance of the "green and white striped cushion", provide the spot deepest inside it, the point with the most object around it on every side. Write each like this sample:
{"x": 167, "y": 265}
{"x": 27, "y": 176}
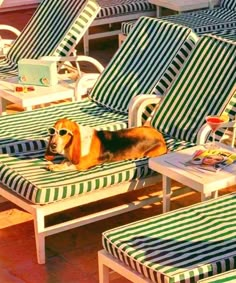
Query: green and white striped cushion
{"x": 207, "y": 18}
{"x": 33, "y": 125}
{"x": 26, "y": 175}
{"x": 228, "y": 4}
{"x": 225, "y": 277}
{"x": 205, "y": 86}
{"x": 54, "y": 29}
{"x": 212, "y": 28}
{"x": 140, "y": 62}
{"x": 114, "y": 8}
{"x": 229, "y": 34}
{"x": 181, "y": 246}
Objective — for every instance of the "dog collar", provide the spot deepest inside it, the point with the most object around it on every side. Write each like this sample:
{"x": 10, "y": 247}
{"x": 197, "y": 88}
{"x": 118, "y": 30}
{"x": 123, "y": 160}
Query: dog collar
{"x": 86, "y": 134}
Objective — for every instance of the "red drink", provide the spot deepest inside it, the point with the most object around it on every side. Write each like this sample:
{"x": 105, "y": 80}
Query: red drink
{"x": 214, "y": 122}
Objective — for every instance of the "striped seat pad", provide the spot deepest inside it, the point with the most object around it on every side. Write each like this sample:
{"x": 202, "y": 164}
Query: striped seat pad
{"x": 112, "y": 8}
{"x": 229, "y": 34}
{"x": 140, "y": 63}
{"x": 225, "y": 277}
{"x": 205, "y": 86}
{"x": 213, "y": 29}
{"x": 229, "y": 4}
{"x": 26, "y": 175}
{"x": 200, "y": 18}
{"x": 181, "y": 246}
{"x": 126, "y": 27}
{"x": 22, "y": 163}
{"x": 198, "y": 25}
{"x": 32, "y": 125}
{"x": 54, "y": 29}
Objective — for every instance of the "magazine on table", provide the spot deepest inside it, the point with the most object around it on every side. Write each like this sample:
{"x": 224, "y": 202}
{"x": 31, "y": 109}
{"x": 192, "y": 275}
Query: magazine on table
{"x": 211, "y": 159}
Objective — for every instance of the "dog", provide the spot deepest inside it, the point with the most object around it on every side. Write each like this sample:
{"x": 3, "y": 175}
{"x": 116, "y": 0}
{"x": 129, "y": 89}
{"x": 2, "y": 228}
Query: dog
{"x": 85, "y": 147}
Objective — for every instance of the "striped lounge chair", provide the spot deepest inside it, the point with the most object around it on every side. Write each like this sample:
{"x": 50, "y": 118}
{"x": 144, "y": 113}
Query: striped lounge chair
{"x": 205, "y": 86}
{"x": 202, "y": 21}
{"x": 185, "y": 245}
{"x": 205, "y": 21}
{"x": 151, "y": 56}
{"x": 55, "y": 29}
{"x": 225, "y": 277}
{"x": 114, "y": 12}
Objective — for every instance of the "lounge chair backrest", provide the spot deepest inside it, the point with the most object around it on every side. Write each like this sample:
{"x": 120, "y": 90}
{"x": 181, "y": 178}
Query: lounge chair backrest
{"x": 54, "y": 29}
{"x": 228, "y": 4}
{"x": 205, "y": 86}
{"x": 139, "y": 63}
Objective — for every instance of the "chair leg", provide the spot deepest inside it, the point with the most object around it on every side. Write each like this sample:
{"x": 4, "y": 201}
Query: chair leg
{"x": 103, "y": 269}
{"x": 39, "y": 225}
{"x": 121, "y": 39}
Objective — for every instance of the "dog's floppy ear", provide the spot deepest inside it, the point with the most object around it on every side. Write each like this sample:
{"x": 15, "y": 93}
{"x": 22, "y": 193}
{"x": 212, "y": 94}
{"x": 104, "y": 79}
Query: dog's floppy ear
{"x": 75, "y": 145}
{"x": 48, "y": 154}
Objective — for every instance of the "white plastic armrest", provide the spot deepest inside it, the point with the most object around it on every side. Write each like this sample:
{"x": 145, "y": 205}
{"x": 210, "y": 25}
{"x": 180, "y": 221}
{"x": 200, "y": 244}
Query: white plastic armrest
{"x": 203, "y": 134}
{"x": 80, "y": 58}
{"x": 205, "y": 130}
{"x": 138, "y": 105}
{"x": 10, "y": 28}
{"x": 85, "y": 82}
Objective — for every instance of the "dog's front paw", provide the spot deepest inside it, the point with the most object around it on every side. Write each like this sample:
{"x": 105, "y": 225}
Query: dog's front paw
{"x": 53, "y": 167}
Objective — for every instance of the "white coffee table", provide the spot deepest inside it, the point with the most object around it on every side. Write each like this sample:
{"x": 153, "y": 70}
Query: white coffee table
{"x": 183, "y": 5}
{"x": 63, "y": 90}
{"x": 207, "y": 183}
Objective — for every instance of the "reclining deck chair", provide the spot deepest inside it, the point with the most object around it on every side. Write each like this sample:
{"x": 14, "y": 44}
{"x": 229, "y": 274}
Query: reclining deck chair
{"x": 55, "y": 29}
{"x": 26, "y": 182}
{"x": 207, "y": 20}
{"x": 205, "y": 83}
{"x": 184, "y": 245}
{"x": 201, "y": 21}
{"x": 151, "y": 57}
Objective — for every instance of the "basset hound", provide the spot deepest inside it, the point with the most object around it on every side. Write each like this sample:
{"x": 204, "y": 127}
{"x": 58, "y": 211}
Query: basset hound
{"x": 84, "y": 147}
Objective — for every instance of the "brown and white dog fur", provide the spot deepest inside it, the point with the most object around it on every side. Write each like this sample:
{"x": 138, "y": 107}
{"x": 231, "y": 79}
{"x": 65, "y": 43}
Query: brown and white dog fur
{"x": 86, "y": 147}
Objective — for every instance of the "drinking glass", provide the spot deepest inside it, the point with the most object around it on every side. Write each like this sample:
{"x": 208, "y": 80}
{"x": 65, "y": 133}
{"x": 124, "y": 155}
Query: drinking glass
{"x": 215, "y": 121}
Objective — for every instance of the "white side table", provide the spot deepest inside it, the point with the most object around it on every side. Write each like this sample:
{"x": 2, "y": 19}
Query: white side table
{"x": 183, "y": 5}
{"x": 207, "y": 183}
{"x": 41, "y": 94}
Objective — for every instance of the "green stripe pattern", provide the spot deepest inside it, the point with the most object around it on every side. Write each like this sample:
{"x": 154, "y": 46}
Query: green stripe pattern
{"x": 228, "y": 4}
{"x": 32, "y": 125}
{"x": 55, "y": 29}
{"x": 24, "y": 135}
{"x": 181, "y": 246}
{"x": 26, "y": 175}
{"x": 208, "y": 18}
{"x": 205, "y": 86}
{"x": 141, "y": 62}
{"x": 114, "y": 8}
{"x": 225, "y": 277}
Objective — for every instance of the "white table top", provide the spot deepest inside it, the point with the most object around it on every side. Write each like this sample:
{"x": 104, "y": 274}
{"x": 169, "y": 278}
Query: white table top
{"x": 62, "y": 90}
{"x": 171, "y": 165}
{"x": 184, "y": 5}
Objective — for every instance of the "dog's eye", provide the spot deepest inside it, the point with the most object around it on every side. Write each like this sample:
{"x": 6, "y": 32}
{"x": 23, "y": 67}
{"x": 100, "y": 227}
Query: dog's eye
{"x": 51, "y": 131}
{"x": 63, "y": 132}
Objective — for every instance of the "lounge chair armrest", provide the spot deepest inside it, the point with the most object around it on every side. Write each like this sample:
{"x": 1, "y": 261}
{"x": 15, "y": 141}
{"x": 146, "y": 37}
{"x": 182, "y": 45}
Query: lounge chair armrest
{"x": 138, "y": 105}
{"x": 84, "y": 81}
{"x": 5, "y": 44}
{"x": 76, "y": 59}
{"x": 83, "y": 84}
{"x": 10, "y": 28}
{"x": 205, "y": 130}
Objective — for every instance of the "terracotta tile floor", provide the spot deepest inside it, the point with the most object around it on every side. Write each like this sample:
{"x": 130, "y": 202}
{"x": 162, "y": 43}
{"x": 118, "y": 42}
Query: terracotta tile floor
{"x": 71, "y": 255}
